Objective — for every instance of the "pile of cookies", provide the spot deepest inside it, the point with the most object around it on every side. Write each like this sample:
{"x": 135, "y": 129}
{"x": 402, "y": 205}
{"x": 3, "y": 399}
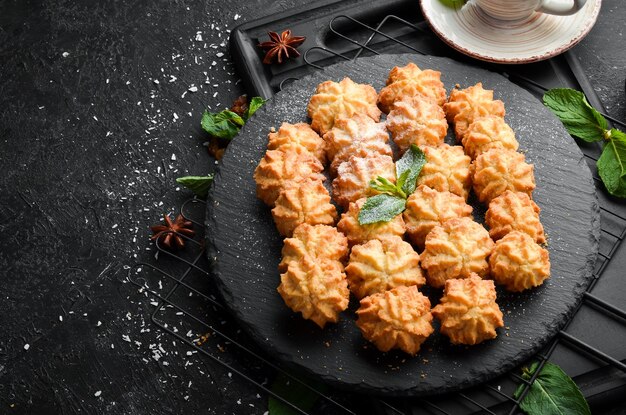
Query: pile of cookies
{"x": 444, "y": 248}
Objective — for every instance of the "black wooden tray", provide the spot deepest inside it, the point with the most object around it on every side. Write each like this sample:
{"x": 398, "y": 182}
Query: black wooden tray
{"x": 245, "y": 248}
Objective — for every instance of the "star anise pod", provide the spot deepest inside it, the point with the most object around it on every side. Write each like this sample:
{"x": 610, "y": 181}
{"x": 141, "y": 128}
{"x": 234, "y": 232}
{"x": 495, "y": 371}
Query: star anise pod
{"x": 169, "y": 234}
{"x": 279, "y": 47}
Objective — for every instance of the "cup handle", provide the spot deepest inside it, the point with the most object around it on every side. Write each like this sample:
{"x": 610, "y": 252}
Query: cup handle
{"x": 560, "y": 7}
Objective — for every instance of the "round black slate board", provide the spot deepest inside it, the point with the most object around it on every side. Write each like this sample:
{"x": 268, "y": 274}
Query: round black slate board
{"x": 244, "y": 248}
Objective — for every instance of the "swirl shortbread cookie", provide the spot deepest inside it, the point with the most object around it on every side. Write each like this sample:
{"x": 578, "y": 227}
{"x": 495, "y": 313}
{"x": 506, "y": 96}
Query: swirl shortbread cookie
{"x": 380, "y": 265}
{"x": 427, "y": 208}
{"x": 319, "y": 242}
{"x": 409, "y": 81}
{"x": 300, "y": 134}
{"x": 468, "y": 311}
{"x": 317, "y": 289}
{"x": 467, "y": 105}
{"x": 447, "y": 168}
{"x": 514, "y": 211}
{"x": 335, "y": 100}
{"x": 396, "y": 319}
{"x": 456, "y": 249}
{"x": 278, "y": 167}
{"x": 498, "y": 170}
{"x": 486, "y": 133}
{"x": 354, "y": 176}
{"x": 417, "y": 120}
{"x": 518, "y": 263}
{"x": 306, "y": 201}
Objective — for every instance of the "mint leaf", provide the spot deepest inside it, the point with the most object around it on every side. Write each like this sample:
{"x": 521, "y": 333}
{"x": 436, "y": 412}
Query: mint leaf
{"x": 293, "y": 391}
{"x": 255, "y": 104}
{"x": 386, "y": 206}
{"x": 412, "y": 162}
{"x": 612, "y": 163}
{"x": 381, "y": 208}
{"x": 224, "y": 124}
{"x": 402, "y": 179}
{"x": 383, "y": 185}
{"x": 197, "y": 184}
{"x": 452, "y": 3}
{"x": 552, "y": 393}
{"x": 580, "y": 119}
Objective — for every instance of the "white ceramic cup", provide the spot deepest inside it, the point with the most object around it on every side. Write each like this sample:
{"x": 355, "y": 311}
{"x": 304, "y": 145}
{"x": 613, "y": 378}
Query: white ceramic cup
{"x": 521, "y": 9}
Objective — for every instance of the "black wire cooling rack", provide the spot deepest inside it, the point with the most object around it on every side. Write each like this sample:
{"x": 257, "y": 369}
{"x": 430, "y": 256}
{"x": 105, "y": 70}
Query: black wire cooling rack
{"x": 187, "y": 308}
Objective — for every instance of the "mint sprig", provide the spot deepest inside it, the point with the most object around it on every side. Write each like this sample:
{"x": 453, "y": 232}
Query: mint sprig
{"x": 392, "y": 198}
{"x": 381, "y": 208}
{"x": 226, "y": 124}
{"x": 583, "y": 121}
{"x": 255, "y": 104}
{"x": 611, "y": 164}
{"x": 198, "y": 184}
{"x": 552, "y": 392}
{"x": 383, "y": 185}
{"x": 409, "y": 167}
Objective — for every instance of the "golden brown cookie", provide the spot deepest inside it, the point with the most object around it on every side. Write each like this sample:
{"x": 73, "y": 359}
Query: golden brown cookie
{"x": 349, "y": 130}
{"x": 357, "y": 136}
{"x": 514, "y": 211}
{"x": 335, "y": 100}
{"x": 319, "y": 242}
{"x": 301, "y": 202}
{"x": 278, "y": 167}
{"x": 427, "y": 208}
{"x": 447, "y": 168}
{"x": 360, "y": 234}
{"x": 300, "y": 134}
{"x": 518, "y": 262}
{"x": 378, "y": 266}
{"x": 360, "y": 149}
{"x": 417, "y": 120}
{"x": 467, "y": 105}
{"x": 456, "y": 249}
{"x": 409, "y": 81}
{"x": 396, "y": 319}
{"x": 499, "y": 170}
{"x": 317, "y": 289}
{"x": 486, "y": 133}
{"x": 354, "y": 176}
{"x": 468, "y": 311}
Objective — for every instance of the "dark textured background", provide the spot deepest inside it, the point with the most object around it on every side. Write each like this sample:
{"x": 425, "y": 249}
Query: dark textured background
{"x": 86, "y": 145}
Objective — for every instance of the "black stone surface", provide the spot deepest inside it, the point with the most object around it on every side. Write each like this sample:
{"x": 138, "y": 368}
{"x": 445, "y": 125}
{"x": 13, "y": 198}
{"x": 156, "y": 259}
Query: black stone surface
{"x": 65, "y": 183}
{"x": 245, "y": 248}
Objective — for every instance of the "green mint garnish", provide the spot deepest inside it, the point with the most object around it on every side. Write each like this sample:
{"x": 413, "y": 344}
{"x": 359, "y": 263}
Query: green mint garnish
{"x": 583, "y": 121}
{"x": 197, "y": 184}
{"x": 552, "y": 393}
{"x": 392, "y": 198}
{"x": 226, "y": 124}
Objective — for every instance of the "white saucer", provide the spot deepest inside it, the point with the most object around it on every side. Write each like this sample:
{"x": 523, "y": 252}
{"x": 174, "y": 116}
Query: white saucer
{"x": 469, "y": 30}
